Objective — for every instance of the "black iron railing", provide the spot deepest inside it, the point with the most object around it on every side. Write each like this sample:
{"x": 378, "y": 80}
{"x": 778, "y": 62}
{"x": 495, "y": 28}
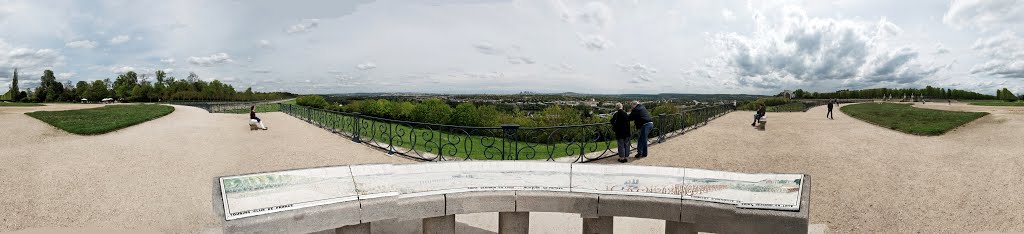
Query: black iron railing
{"x": 438, "y": 142}
{"x": 224, "y": 106}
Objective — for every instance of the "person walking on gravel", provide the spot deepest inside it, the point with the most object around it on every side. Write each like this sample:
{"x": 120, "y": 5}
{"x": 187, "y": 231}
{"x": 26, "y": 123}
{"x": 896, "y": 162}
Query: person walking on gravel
{"x": 620, "y": 125}
{"x": 642, "y": 120}
{"x": 829, "y": 115}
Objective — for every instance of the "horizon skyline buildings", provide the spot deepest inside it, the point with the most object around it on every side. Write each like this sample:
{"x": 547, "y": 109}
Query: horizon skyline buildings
{"x": 497, "y": 46}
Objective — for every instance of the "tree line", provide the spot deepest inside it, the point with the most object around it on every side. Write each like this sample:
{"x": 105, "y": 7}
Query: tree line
{"x": 133, "y": 87}
{"x": 437, "y": 111}
{"x": 928, "y": 92}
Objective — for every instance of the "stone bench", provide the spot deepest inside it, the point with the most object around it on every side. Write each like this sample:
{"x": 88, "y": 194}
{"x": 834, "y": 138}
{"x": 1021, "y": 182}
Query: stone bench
{"x": 350, "y": 199}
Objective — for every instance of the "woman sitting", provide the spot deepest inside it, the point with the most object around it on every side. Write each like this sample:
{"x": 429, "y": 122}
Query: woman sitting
{"x": 252, "y": 116}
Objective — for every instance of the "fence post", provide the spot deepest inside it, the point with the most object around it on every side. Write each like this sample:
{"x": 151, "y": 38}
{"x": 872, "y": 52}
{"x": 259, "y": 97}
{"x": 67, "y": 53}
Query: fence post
{"x": 661, "y": 129}
{"x": 355, "y": 127}
{"x": 509, "y": 132}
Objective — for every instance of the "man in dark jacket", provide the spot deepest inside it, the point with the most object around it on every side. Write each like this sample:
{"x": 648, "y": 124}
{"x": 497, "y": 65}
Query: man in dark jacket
{"x": 642, "y": 120}
{"x": 620, "y": 125}
{"x": 831, "y": 102}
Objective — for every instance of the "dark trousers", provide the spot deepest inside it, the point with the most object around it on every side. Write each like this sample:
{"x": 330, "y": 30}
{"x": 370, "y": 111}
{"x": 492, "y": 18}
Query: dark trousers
{"x": 641, "y": 142}
{"x": 829, "y": 115}
{"x": 623, "y": 147}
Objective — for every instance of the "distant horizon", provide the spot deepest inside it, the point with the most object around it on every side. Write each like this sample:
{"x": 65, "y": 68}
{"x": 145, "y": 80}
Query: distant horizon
{"x": 503, "y": 47}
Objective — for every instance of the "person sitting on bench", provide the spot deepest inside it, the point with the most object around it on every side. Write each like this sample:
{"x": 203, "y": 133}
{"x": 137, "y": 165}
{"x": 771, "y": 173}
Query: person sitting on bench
{"x": 760, "y": 113}
{"x": 252, "y": 115}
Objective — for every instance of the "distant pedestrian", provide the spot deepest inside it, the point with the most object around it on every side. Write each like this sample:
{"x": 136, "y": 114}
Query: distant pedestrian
{"x": 761, "y": 109}
{"x": 642, "y": 120}
{"x": 620, "y": 125}
{"x": 830, "y": 103}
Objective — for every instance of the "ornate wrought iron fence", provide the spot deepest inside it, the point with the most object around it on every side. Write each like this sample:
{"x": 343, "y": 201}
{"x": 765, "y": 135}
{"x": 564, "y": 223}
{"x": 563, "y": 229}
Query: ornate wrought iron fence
{"x": 222, "y": 106}
{"x": 438, "y": 142}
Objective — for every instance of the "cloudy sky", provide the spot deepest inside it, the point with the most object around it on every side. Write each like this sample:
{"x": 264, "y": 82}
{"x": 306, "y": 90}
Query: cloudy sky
{"x": 497, "y": 46}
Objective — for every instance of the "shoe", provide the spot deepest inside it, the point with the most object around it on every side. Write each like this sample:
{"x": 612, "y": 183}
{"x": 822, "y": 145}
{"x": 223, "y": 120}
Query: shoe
{"x": 641, "y": 156}
{"x": 751, "y": 125}
{"x": 623, "y": 160}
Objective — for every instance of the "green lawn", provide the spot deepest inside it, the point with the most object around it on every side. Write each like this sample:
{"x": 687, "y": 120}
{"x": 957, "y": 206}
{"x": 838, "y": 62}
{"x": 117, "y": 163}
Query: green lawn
{"x": 473, "y": 145}
{"x": 103, "y": 119}
{"x": 19, "y": 104}
{"x": 261, "y": 108}
{"x": 909, "y": 119}
{"x": 997, "y": 103}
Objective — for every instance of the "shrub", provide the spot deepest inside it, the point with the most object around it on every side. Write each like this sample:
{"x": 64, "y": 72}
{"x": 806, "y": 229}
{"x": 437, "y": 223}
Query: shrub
{"x": 315, "y": 101}
{"x": 770, "y": 101}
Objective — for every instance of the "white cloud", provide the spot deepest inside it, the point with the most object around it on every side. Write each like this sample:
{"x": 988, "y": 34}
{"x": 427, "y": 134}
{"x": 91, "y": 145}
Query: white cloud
{"x": 519, "y": 60}
{"x": 511, "y": 53}
{"x": 119, "y": 39}
{"x": 593, "y": 14}
{"x": 214, "y": 59}
{"x": 65, "y": 75}
{"x": 985, "y": 15}
{"x": 262, "y": 70}
{"x": 790, "y": 49}
{"x": 366, "y": 66}
{"x": 487, "y": 48}
{"x": 640, "y": 72}
{"x": 1005, "y": 54}
{"x": 728, "y": 15}
{"x": 167, "y": 60}
{"x": 122, "y": 69}
{"x": 28, "y": 60}
{"x": 81, "y": 44}
{"x": 940, "y": 49}
{"x": 265, "y": 44}
{"x": 595, "y": 42}
{"x": 303, "y": 27}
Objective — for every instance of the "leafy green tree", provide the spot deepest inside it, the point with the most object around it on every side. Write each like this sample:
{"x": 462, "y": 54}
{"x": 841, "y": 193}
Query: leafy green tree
{"x": 1007, "y": 95}
{"x": 315, "y": 101}
{"x": 124, "y": 84}
{"x": 82, "y": 89}
{"x": 15, "y": 92}
{"x": 465, "y": 115}
{"x": 98, "y": 90}
{"x": 666, "y": 108}
{"x": 432, "y": 111}
{"x": 799, "y": 93}
{"x": 489, "y": 116}
{"x": 404, "y": 110}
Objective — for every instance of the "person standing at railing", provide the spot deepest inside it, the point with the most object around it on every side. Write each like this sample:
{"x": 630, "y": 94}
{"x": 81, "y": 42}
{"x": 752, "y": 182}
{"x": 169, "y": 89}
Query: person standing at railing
{"x": 642, "y": 120}
{"x": 620, "y": 125}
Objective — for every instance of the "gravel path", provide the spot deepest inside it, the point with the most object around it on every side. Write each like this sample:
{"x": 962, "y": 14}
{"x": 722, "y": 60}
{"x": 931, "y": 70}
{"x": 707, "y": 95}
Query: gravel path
{"x": 868, "y": 179}
{"x": 153, "y": 176}
{"x": 157, "y": 175}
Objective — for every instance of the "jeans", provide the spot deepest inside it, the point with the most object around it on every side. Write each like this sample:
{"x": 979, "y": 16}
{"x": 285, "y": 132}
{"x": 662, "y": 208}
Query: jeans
{"x": 641, "y": 143}
{"x": 623, "y": 147}
{"x": 829, "y": 114}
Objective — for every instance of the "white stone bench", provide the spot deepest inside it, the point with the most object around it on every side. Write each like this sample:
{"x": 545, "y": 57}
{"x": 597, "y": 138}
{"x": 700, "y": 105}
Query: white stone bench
{"x": 705, "y": 201}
